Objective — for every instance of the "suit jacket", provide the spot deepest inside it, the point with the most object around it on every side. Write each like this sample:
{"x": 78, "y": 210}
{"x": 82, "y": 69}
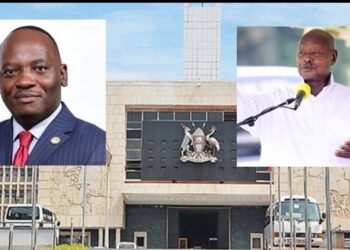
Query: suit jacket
{"x": 80, "y": 142}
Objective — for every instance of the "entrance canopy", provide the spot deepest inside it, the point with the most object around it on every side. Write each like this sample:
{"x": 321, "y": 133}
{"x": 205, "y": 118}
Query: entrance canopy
{"x": 197, "y": 194}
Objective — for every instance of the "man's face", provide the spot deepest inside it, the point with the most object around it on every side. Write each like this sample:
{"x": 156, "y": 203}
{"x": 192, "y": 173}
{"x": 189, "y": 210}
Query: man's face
{"x": 314, "y": 60}
{"x": 31, "y": 76}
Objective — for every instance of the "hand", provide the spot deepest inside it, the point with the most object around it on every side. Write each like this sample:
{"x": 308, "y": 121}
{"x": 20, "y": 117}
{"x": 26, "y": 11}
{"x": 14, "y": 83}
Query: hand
{"x": 344, "y": 150}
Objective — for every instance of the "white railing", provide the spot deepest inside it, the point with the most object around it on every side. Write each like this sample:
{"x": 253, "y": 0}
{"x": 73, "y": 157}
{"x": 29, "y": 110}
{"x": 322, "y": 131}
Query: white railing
{"x": 19, "y": 234}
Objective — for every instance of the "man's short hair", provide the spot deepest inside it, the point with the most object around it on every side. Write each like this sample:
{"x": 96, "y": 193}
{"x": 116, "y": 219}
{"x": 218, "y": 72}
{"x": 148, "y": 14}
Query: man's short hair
{"x": 31, "y": 27}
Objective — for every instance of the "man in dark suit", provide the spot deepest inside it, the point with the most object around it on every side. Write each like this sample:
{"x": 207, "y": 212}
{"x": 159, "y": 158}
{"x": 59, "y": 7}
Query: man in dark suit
{"x": 41, "y": 131}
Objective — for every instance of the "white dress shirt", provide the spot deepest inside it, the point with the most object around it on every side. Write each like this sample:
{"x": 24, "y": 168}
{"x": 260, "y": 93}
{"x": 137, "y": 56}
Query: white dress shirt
{"x": 36, "y": 131}
{"x": 306, "y": 137}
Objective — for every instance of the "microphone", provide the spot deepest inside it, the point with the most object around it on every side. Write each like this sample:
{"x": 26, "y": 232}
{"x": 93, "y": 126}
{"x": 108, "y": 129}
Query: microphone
{"x": 303, "y": 92}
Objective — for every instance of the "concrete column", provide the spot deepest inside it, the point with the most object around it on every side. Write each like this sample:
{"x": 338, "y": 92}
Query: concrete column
{"x": 100, "y": 237}
{"x": 117, "y": 235}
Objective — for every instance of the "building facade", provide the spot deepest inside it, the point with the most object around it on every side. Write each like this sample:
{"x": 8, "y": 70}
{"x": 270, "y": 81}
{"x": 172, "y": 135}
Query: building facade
{"x": 166, "y": 185}
{"x": 164, "y": 202}
{"x": 148, "y": 195}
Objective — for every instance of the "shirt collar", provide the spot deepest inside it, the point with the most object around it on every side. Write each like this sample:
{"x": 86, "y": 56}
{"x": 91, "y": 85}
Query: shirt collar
{"x": 325, "y": 90}
{"x": 330, "y": 84}
{"x": 38, "y": 129}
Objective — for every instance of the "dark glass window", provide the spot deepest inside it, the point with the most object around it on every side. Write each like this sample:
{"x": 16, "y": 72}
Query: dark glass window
{"x": 14, "y": 174}
{"x": 133, "y": 144}
{"x": 150, "y": 116}
{"x": 21, "y": 213}
{"x": 166, "y": 116}
{"x": 133, "y": 164}
{"x": 199, "y": 116}
{"x": 133, "y": 134}
{"x": 133, "y": 155}
{"x": 134, "y": 125}
{"x": 229, "y": 116}
{"x": 140, "y": 241}
{"x": 7, "y": 174}
{"x": 29, "y": 174}
{"x": 134, "y": 116}
{"x": 256, "y": 243}
{"x": 215, "y": 116}
{"x": 182, "y": 116}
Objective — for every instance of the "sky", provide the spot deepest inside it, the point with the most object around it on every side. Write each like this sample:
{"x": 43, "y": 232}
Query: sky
{"x": 145, "y": 40}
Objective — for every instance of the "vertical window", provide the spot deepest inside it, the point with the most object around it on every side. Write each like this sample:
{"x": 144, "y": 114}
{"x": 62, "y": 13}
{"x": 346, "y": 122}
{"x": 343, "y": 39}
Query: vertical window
{"x": 21, "y": 194}
{"x": 140, "y": 238}
{"x": 7, "y": 174}
{"x": 346, "y": 240}
{"x": 29, "y": 194}
{"x": 7, "y": 194}
{"x": 140, "y": 241}
{"x": 182, "y": 243}
{"x": 133, "y": 143}
{"x": 22, "y": 174}
{"x": 47, "y": 215}
{"x": 14, "y": 174}
{"x": 256, "y": 241}
{"x": 1, "y": 173}
{"x": 29, "y": 174}
{"x": 14, "y": 194}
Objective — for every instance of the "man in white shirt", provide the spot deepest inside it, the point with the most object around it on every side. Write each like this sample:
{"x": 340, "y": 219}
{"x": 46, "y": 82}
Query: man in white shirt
{"x": 318, "y": 132}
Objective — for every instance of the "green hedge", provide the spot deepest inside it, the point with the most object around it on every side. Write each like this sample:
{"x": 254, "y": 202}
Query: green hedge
{"x": 68, "y": 247}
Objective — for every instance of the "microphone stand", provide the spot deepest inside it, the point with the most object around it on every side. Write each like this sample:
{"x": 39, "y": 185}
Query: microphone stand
{"x": 251, "y": 120}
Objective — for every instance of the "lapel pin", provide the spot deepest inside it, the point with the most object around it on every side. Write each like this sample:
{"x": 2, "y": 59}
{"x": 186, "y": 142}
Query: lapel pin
{"x": 55, "y": 140}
